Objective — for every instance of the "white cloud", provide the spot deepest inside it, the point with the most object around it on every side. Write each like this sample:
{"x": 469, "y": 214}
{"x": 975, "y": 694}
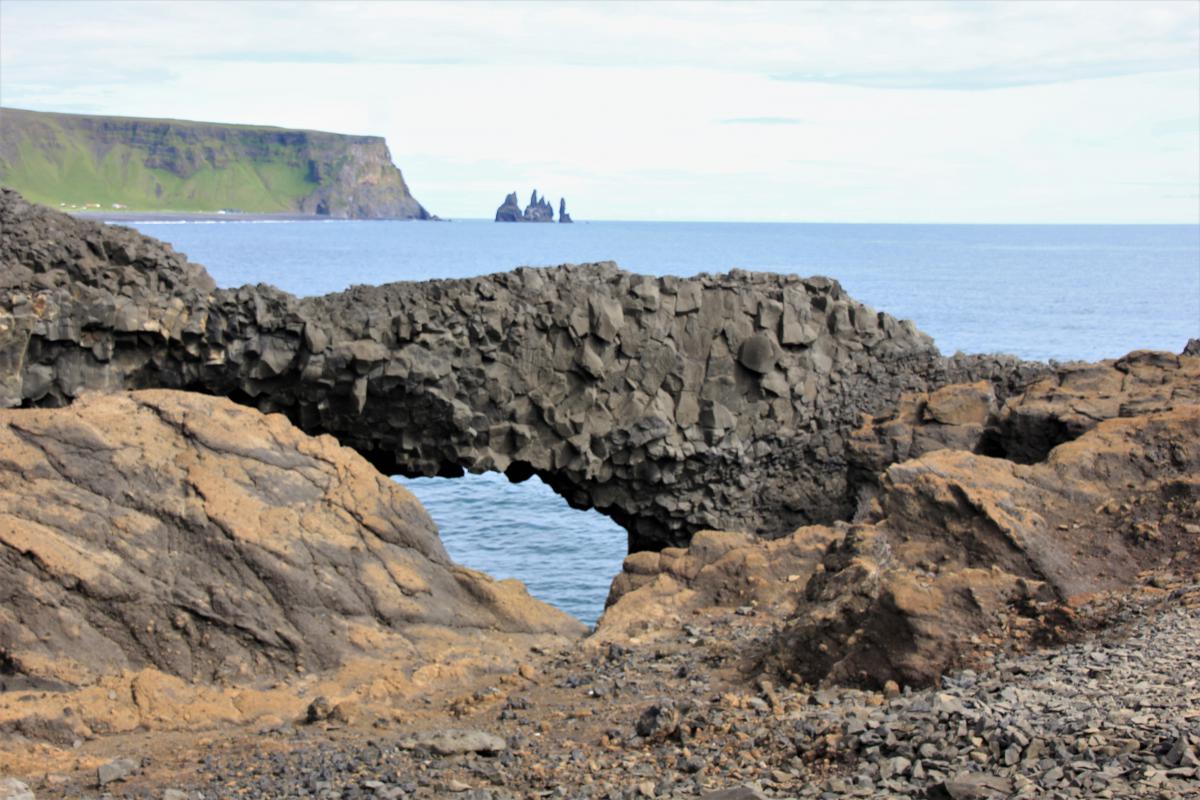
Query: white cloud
{"x": 909, "y": 112}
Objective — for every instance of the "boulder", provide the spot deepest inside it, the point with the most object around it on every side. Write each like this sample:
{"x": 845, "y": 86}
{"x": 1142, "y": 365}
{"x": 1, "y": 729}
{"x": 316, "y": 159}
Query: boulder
{"x": 211, "y": 543}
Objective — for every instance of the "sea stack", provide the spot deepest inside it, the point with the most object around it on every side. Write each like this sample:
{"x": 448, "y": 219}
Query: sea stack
{"x": 538, "y": 210}
{"x": 509, "y": 211}
{"x": 563, "y": 216}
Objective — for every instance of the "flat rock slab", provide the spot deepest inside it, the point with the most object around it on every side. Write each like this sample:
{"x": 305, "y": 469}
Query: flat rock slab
{"x": 13, "y": 789}
{"x": 452, "y": 742}
{"x": 736, "y": 793}
{"x": 117, "y": 770}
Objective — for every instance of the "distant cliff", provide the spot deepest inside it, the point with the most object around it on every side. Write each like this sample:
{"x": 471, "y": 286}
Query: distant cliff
{"x": 80, "y": 161}
{"x": 538, "y": 210}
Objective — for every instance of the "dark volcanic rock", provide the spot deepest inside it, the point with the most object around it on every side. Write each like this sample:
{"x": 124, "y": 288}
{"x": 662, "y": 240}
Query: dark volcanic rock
{"x": 563, "y": 216}
{"x": 538, "y": 210}
{"x": 670, "y": 404}
{"x": 510, "y": 211}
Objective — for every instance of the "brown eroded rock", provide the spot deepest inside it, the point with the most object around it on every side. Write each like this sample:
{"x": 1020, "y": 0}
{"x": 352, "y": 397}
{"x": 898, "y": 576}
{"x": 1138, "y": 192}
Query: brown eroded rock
{"x": 958, "y": 553}
{"x": 971, "y": 552}
{"x": 952, "y": 417}
{"x": 1077, "y": 397}
{"x": 155, "y": 542}
{"x": 655, "y": 590}
{"x": 1029, "y": 424}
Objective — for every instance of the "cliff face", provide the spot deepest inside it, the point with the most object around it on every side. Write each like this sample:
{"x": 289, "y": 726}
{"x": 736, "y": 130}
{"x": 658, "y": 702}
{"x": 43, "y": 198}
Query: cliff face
{"x": 160, "y": 164}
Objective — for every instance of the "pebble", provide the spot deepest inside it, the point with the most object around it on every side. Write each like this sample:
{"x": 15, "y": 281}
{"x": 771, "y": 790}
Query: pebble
{"x": 117, "y": 770}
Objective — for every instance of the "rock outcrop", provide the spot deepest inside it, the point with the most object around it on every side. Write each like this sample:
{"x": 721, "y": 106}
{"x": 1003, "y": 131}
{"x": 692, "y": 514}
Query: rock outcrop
{"x": 510, "y": 210}
{"x": 170, "y": 559}
{"x": 671, "y": 404}
{"x": 198, "y": 537}
{"x": 176, "y": 165}
{"x": 538, "y": 210}
{"x": 957, "y": 553}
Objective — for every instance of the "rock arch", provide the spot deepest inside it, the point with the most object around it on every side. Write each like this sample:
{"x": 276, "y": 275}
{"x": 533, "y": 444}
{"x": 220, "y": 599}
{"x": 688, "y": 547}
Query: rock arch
{"x": 671, "y": 404}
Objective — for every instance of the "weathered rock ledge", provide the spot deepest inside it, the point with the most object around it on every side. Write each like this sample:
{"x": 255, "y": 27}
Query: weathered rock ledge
{"x": 672, "y": 405}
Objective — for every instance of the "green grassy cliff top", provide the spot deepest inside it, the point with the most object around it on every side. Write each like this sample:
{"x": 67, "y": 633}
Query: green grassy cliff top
{"x": 77, "y": 160}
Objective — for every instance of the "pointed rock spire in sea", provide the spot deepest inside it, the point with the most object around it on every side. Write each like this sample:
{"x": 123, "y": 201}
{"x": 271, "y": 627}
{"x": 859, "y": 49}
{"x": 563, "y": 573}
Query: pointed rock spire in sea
{"x": 538, "y": 210}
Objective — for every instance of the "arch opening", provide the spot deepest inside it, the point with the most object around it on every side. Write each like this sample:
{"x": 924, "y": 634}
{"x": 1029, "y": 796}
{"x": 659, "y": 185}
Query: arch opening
{"x": 565, "y": 556}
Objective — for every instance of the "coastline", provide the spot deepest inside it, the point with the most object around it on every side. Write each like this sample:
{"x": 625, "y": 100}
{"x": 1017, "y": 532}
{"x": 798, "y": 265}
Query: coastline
{"x": 124, "y": 217}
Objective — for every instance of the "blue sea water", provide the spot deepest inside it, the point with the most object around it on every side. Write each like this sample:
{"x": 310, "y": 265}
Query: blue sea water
{"x": 1038, "y": 291}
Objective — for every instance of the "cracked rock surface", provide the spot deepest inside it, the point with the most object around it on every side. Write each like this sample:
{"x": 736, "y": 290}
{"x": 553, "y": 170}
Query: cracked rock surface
{"x": 201, "y": 539}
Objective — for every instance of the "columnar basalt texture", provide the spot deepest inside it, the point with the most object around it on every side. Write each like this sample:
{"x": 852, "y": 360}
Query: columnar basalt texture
{"x": 671, "y": 404}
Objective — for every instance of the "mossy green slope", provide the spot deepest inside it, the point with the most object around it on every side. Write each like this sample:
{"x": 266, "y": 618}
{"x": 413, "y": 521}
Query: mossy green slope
{"x": 176, "y": 165}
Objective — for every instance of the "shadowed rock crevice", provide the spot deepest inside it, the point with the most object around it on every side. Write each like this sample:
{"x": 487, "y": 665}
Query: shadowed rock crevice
{"x": 670, "y": 404}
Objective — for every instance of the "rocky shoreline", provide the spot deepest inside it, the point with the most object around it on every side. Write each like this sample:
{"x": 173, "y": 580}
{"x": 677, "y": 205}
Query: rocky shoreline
{"x": 979, "y": 576}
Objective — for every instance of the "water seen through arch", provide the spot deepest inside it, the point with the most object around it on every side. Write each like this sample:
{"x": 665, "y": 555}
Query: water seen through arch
{"x": 526, "y": 531}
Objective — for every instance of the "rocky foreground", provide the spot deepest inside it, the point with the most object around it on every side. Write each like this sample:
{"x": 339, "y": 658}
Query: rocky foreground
{"x": 200, "y": 600}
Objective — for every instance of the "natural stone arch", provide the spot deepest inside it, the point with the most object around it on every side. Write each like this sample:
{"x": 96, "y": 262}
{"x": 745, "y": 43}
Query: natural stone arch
{"x": 671, "y": 404}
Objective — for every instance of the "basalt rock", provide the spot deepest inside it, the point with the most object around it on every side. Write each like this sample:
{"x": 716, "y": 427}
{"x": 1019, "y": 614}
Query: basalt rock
{"x": 538, "y": 210}
{"x": 510, "y": 210}
{"x": 671, "y": 404}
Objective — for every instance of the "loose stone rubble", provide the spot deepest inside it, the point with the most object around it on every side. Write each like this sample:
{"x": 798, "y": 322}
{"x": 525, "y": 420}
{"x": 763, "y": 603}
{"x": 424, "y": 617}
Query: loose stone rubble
{"x": 1114, "y": 716}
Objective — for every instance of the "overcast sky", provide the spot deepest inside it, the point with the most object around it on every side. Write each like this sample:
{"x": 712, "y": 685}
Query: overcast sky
{"x": 889, "y": 112}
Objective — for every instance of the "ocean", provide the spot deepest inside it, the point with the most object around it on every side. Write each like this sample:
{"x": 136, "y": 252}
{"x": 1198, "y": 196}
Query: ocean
{"x": 1044, "y": 292}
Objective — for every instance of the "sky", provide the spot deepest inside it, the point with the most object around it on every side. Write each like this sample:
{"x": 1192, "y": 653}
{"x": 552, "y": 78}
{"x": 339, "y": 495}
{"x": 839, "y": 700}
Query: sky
{"x": 1009, "y": 112}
